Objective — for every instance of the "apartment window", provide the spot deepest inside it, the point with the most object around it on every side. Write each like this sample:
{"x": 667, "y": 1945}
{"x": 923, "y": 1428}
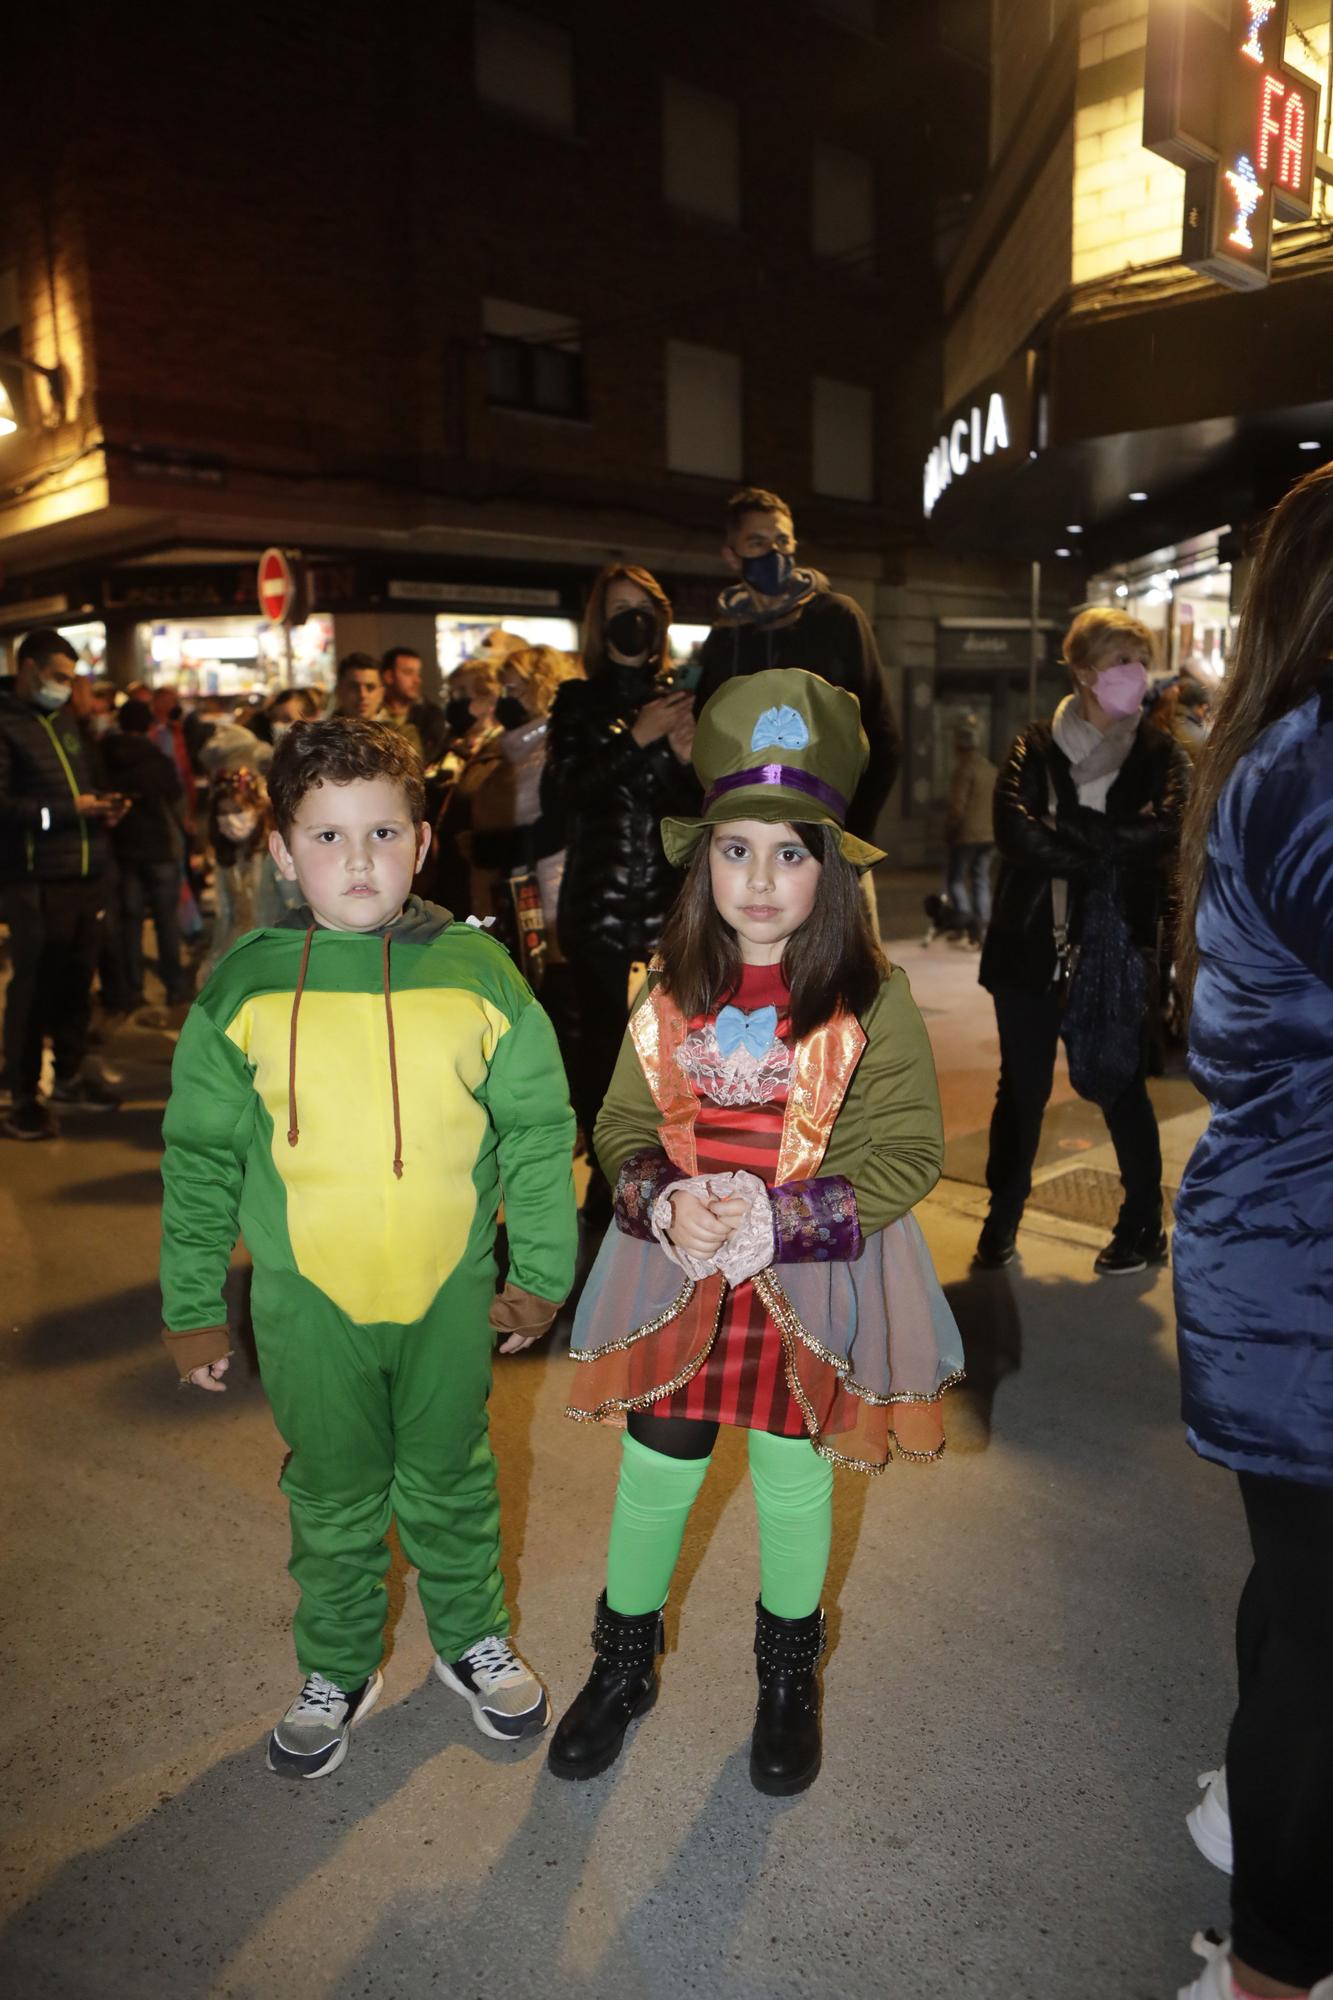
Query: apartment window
{"x": 843, "y": 206}
{"x": 9, "y": 307}
{"x": 843, "y": 440}
{"x": 862, "y": 14}
{"x": 701, "y": 154}
{"x": 534, "y": 360}
{"x": 524, "y": 65}
{"x": 703, "y": 410}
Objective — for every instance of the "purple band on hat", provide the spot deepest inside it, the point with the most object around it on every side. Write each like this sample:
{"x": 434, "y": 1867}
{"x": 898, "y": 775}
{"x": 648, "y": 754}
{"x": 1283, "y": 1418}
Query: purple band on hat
{"x": 786, "y": 775}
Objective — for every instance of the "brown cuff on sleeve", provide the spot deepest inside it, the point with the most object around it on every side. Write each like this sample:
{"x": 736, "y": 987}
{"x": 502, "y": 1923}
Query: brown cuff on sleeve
{"x": 197, "y": 1348}
{"x": 515, "y": 1311}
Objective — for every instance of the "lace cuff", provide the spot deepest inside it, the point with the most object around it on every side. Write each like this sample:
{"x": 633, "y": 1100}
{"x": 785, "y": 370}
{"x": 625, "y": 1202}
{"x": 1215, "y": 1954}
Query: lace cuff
{"x": 815, "y": 1222}
{"x": 748, "y": 1249}
{"x": 639, "y": 1184}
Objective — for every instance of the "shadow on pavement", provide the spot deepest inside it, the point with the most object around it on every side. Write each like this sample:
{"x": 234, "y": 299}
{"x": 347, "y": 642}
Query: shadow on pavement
{"x": 986, "y": 1310}
{"x": 540, "y": 1922}
{"x": 161, "y": 1909}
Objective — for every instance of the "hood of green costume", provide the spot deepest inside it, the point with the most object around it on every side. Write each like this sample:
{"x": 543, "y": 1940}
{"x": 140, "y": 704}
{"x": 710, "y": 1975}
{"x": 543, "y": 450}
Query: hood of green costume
{"x": 419, "y": 923}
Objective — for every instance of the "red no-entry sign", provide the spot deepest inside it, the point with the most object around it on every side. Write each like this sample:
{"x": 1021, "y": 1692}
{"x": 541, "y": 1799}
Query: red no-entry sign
{"x": 277, "y": 587}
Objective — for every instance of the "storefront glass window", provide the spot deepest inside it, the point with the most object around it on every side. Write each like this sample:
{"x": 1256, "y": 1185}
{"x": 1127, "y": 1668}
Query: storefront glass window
{"x": 1183, "y": 595}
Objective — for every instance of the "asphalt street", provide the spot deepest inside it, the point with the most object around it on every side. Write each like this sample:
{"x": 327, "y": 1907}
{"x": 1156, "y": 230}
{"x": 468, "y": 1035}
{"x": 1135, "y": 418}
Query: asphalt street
{"x": 1031, "y": 1654}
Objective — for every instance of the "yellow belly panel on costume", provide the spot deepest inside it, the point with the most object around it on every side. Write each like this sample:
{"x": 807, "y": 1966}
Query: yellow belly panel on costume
{"x": 378, "y": 1246}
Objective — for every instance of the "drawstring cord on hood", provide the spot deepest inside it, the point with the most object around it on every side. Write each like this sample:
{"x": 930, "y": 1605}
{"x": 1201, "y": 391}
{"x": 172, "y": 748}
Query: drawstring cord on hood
{"x": 293, "y": 1128}
{"x": 393, "y": 1069}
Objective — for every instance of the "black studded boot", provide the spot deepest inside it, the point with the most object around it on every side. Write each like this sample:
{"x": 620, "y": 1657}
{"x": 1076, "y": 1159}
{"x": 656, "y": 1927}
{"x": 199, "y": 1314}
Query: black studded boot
{"x": 786, "y": 1746}
{"x": 622, "y": 1684}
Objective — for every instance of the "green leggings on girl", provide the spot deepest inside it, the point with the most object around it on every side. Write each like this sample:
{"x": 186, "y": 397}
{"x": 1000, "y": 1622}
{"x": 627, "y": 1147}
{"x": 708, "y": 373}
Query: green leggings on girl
{"x": 793, "y": 1492}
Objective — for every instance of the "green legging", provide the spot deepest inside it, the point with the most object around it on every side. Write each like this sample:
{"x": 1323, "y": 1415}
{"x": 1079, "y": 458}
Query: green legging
{"x": 793, "y": 1494}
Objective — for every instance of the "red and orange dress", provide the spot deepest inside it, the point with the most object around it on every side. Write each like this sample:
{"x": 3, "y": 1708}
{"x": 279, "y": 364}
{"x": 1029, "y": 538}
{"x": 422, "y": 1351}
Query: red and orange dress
{"x": 841, "y": 1332}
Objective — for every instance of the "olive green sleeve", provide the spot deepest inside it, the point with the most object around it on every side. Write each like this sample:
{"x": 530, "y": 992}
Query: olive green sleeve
{"x": 628, "y": 1120}
{"x": 889, "y": 1137}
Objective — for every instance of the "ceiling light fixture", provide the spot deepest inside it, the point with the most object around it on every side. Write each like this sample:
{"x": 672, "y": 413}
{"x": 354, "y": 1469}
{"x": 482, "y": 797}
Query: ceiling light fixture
{"x": 1138, "y": 496}
{"x": 1308, "y": 444}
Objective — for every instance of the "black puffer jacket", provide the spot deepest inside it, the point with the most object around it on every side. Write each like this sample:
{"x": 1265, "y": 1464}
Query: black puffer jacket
{"x": 44, "y": 765}
{"x": 611, "y": 793}
{"x": 152, "y": 829}
{"x": 1137, "y": 836}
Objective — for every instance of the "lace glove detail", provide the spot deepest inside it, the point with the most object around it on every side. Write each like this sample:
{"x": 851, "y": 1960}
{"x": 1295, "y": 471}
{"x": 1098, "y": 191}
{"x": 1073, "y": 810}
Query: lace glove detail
{"x": 748, "y": 1249}
{"x": 816, "y": 1221}
{"x": 638, "y": 1185}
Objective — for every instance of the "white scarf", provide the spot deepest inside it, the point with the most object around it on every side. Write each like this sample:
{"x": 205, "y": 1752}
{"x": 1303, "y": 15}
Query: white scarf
{"x": 1095, "y": 755}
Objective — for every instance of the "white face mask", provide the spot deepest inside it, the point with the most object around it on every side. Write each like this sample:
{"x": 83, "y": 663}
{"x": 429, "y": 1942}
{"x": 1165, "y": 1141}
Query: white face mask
{"x": 51, "y": 695}
{"x": 237, "y": 825}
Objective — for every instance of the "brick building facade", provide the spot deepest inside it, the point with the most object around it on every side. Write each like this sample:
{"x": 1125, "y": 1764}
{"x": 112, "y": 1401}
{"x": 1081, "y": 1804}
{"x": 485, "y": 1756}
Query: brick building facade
{"x": 474, "y": 299}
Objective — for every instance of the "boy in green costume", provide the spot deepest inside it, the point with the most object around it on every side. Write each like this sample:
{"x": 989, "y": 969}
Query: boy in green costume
{"x": 354, "y": 1091}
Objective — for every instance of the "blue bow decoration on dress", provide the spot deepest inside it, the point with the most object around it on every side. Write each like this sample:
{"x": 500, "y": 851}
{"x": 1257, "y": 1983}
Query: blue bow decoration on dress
{"x": 780, "y": 729}
{"x": 753, "y": 1032}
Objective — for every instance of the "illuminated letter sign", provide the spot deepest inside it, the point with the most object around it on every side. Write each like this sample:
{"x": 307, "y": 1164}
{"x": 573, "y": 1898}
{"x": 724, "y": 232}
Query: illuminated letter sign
{"x": 1220, "y": 101}
{"x": 990, "y": 427}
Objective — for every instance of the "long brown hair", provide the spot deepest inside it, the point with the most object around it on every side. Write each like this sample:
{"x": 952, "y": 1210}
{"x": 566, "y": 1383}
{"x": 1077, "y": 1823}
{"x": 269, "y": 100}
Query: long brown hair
{"x": 1283, "y": 644}
{"x": 832, "y": 962}
{"x": 594, "y": 617}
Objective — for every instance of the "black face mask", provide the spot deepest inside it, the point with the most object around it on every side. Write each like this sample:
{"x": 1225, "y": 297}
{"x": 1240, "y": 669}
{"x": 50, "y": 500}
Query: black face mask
{"x": 631, "y": 632}
{"x": 510, "y": 712}
{"x": 458, "y": 715}
{"x": 769, "y": 573}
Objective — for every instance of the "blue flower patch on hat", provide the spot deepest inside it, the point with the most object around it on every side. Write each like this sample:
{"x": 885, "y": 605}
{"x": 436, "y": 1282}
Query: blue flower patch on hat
{"x": 780, "y": 729}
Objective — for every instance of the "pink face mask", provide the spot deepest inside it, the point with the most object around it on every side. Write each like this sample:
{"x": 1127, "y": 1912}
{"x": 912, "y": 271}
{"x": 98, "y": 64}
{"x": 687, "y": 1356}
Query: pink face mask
{"x": 1119, "y": 690}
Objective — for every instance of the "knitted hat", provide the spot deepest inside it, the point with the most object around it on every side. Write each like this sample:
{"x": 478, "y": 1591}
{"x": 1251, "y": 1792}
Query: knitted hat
{"x": 781, "y": 745}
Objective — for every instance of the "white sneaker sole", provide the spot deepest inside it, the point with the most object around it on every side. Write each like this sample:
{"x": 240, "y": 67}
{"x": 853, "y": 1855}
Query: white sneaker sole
{"x": 368, "y": 1700}
{"x": 531, "y": 1724}
{"x": 1209, "y": 1826}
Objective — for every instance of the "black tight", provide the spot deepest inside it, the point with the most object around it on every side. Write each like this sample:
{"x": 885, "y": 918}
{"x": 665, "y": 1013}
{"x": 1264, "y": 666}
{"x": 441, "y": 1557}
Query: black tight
{"x": 674, "y": 1437}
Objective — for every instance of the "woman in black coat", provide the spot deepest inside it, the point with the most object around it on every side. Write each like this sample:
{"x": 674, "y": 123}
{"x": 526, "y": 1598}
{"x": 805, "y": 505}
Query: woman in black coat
{"x": 618, "y": 761}
{"x": 1092, "y": 798}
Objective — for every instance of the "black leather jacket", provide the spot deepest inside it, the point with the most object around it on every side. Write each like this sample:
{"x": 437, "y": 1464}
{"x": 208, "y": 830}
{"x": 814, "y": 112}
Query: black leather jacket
{"x": 1135, "y": 841}
{"x": 611, "y": 793}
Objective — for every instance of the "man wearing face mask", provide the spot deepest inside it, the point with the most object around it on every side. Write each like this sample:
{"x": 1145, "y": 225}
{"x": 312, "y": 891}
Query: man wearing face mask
{"x": 618, "y": 762}
{"x": 149, "y": 845}
{"x": 53, "y": 865}
{"x": 1092, "y": 799}
{"x": 781, "y": 615}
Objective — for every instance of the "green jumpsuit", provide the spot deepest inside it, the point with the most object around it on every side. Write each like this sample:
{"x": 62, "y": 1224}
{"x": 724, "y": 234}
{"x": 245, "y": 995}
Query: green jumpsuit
{"x": 356, "y": 1105}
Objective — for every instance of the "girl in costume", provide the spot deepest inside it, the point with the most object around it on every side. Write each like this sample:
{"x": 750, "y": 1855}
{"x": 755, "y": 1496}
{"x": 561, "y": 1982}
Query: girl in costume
{"x": 772, "y": 1120}
{"x": 250, "y": 894}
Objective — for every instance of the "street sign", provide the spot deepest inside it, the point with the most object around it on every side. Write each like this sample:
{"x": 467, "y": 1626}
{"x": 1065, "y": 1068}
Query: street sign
{"x": 1220, "y": 101}
{"x": 277, "y": 587}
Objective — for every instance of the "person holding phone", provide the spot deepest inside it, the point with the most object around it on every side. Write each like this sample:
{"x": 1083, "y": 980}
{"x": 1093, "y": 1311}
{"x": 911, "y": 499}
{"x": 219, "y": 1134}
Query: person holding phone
{"x": 53, "y": 867}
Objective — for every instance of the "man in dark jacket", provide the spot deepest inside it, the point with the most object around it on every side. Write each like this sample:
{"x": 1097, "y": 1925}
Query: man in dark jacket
{"x": 53, "y": 829}
{"x": 150, "y": 849}
{"x": 778, "y": 615}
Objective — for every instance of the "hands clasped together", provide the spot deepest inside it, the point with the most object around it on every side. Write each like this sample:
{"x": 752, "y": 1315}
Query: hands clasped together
{"x": 716, "y": 1223}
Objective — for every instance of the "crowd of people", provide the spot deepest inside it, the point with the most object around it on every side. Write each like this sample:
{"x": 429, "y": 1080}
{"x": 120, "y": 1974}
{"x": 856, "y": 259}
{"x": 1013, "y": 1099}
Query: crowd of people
{"x": 676, "y": 867}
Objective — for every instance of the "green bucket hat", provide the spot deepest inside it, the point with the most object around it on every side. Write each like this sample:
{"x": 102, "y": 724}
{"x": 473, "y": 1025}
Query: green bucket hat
{"x": 781, "y": 745}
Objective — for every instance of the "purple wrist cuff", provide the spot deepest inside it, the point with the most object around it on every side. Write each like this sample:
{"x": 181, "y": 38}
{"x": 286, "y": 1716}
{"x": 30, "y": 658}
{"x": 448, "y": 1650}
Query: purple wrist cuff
{"x": 815, "y": 1222}
{"x": 643, "y": 1177}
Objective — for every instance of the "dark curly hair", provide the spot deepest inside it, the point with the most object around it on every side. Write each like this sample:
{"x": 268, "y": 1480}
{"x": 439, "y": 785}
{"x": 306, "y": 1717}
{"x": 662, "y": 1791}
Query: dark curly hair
{"x": 339, "y": 750}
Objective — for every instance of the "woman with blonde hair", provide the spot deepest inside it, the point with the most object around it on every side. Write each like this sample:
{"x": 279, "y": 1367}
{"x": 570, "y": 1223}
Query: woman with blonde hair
{"x": 1087, "y": 822}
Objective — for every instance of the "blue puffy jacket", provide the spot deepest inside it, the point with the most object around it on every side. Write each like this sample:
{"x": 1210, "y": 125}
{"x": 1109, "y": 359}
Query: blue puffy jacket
{"x": 1254, "y": 1221}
